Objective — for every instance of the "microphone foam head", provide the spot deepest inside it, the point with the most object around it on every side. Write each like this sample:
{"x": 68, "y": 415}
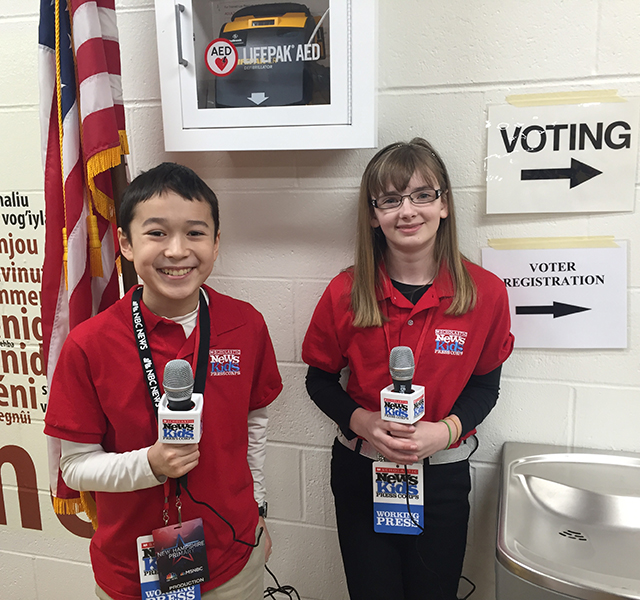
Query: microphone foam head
{"x": 401, "y": 363}
{"x": 178, "y": 380}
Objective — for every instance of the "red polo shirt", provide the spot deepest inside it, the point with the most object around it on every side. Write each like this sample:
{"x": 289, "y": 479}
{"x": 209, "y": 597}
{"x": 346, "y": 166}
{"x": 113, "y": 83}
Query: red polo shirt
{"x": 447, "y": 349}
{"x": 98, "y": 396}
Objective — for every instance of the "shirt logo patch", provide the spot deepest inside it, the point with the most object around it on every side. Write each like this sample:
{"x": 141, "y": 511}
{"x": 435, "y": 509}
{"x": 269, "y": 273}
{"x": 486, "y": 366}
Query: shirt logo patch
{"x": 449, "y": 341}
{"x": 224, "y": 362}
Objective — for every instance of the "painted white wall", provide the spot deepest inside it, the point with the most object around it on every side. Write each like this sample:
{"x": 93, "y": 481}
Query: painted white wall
{"x": 287, "y": 228}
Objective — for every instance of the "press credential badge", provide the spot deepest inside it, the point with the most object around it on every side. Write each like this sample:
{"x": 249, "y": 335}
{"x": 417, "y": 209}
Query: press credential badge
{"x": 149, "y": 580}
{"x": 390, "y": 485}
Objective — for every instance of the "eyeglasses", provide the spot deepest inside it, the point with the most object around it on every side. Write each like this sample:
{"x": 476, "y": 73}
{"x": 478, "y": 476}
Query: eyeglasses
{"x": 419, "y": 198}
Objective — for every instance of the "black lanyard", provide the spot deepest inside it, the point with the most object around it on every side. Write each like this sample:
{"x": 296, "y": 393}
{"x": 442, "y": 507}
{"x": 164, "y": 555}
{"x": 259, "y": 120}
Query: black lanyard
{"x": 146, "y": 360}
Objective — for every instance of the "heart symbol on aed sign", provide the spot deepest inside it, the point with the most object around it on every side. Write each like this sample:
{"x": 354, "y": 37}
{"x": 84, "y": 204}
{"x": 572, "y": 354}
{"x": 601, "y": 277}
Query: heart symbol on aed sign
{"x": 221, "y": 63}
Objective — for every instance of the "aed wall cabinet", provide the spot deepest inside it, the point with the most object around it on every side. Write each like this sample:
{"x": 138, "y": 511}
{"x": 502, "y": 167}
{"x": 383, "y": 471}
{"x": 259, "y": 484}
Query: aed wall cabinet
{"x": 238, "y": 75}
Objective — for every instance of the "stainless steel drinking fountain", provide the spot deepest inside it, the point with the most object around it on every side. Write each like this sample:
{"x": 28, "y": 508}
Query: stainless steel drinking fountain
{"x": 568, "y": 524}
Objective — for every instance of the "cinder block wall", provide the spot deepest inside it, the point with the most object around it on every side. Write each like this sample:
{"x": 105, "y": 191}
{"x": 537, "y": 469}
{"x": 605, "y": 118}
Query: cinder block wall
{"x": 288, "y": 227}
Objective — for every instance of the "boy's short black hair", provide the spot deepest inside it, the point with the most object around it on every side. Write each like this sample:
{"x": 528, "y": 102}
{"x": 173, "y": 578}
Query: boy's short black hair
{"x": 166, "y": 177}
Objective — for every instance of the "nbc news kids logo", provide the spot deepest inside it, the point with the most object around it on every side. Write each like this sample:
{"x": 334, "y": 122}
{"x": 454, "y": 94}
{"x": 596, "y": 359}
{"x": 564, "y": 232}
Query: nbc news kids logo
{"x": 449, "y": 341}
{"x": 224, "y": 362}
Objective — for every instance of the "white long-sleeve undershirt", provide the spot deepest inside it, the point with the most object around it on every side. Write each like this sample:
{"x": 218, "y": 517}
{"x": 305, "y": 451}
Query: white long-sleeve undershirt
{"x": 87, "y": 467}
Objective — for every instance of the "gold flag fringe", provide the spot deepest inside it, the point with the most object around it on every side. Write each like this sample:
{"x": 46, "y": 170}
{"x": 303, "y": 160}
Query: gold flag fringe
{"x": 103, "y": 161}
{"x": 95, "y": 247}
{"x": 107, "y": 159}
{"x": 124, "y": 142}
{"x": 65, "y": 256}
{"x": 89, "y": 507}
{"x": 72, "y": 506}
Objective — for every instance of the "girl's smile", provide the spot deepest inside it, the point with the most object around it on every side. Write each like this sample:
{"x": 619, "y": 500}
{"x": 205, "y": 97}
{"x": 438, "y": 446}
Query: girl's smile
{"x": 411, "y": 227}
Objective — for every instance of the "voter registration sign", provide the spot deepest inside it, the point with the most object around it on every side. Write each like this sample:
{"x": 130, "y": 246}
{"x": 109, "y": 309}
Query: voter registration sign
{"x": 565, "y": 298}
{"x": 562, "y": 158}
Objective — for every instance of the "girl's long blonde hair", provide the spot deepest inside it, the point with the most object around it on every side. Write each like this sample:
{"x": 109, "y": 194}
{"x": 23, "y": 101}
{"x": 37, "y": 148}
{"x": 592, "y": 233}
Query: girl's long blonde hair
{"x": 394, "y": 166}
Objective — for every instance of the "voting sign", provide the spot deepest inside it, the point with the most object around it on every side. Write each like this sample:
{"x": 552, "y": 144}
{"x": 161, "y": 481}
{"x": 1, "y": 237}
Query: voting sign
{"x": 565, "y": 297}
{"x": 567, "y": 158}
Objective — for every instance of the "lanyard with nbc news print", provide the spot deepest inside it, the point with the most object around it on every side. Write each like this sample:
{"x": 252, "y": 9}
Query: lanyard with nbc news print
{"x": 203, "y": 334}
{"x": 159, "y": 553}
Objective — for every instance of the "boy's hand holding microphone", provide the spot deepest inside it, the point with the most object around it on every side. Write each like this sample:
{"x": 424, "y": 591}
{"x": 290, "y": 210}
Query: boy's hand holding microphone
{"x": 179, "y": 423}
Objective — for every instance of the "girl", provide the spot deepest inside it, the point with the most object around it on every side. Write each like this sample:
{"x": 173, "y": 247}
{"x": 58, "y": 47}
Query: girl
{"x": 409, "y": 286}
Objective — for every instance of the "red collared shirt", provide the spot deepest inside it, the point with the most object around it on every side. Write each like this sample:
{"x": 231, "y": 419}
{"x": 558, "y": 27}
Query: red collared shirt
{"x": 451, "y": 348}
{"x": 98, "y": 396}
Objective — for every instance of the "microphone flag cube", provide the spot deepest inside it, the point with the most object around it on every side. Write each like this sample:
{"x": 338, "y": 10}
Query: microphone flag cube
{"x": 180, "y": 426}
{"x": 402, "y": 408}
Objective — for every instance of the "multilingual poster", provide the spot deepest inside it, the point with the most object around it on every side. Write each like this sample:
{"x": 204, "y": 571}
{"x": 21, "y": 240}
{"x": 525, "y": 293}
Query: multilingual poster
{"x": 23, "y": 385}
{"x": 24, "y": 482}
{"x": 23, "y": 391}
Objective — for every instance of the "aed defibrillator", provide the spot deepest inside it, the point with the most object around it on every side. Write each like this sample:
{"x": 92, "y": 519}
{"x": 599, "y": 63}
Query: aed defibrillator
{"x": 277, "y": 59}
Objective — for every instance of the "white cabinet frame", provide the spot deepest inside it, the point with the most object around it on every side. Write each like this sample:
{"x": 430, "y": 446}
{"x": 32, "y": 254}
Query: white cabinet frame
{"x": 349, "y": 121}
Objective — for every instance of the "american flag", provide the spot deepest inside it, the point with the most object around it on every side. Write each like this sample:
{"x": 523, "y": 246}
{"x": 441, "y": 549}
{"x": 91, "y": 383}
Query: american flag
{"x": 83, "y": 136}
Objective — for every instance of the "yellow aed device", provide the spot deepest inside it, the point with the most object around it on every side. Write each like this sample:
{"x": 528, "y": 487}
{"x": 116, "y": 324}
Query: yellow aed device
{"x": 278, "y": 52}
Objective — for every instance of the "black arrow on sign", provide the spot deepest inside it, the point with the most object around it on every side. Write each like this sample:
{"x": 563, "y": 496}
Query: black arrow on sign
{"x": 577, "y": 174}
{"x": 557, "y": 310}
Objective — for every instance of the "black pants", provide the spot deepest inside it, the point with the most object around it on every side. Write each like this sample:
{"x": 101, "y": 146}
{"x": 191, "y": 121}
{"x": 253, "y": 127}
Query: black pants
{"x": 382, "y": 566}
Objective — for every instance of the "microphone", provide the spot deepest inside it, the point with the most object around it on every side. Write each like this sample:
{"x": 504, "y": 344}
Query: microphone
{"x": 401, "y": 368}
{"x": 178, "y": 385}
{"x": 180, "y": 410}
{"x": 400, "y": 402}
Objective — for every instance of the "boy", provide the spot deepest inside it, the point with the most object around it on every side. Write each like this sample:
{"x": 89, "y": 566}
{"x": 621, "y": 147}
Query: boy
{"x": 101, "y": 407}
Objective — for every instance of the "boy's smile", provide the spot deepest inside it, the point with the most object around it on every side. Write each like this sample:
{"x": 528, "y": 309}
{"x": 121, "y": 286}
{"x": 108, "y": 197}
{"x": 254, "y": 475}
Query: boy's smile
{"x": 173, "y": 245}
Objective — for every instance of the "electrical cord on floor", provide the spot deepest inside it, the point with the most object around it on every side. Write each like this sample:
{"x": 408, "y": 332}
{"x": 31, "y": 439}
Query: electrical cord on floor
{"x": 473, "y": 587}
{"x": 286, "y": 590}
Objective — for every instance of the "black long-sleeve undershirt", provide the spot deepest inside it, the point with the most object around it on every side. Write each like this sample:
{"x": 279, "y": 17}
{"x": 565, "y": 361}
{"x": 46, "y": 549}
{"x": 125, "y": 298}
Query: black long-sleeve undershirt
{"x": 475, "y": 402}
